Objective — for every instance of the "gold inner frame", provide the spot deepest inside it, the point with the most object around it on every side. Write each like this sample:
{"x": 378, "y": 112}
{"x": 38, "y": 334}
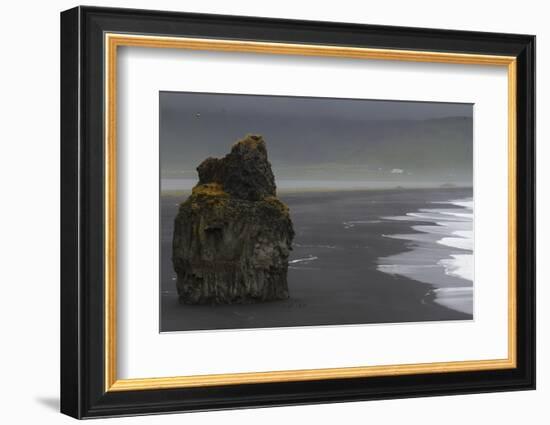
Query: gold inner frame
{"x": 113, "y": 41}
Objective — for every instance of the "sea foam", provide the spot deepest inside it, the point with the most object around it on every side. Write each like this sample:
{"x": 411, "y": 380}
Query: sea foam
{"x": 450, "y": 268}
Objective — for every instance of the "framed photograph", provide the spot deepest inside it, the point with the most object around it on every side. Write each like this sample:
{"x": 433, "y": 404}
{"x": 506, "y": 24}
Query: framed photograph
{"x": 261, "y": 212}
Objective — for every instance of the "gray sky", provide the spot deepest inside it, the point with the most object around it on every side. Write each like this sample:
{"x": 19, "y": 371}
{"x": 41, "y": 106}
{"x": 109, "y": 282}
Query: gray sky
{"x": 321, "y": 138}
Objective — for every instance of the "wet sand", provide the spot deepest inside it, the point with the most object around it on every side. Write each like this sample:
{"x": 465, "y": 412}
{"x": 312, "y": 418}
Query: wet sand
{"x": 333, "y": 277}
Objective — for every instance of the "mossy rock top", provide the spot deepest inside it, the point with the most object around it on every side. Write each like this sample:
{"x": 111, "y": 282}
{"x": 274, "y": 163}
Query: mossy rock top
{"x": 243, "y": 173}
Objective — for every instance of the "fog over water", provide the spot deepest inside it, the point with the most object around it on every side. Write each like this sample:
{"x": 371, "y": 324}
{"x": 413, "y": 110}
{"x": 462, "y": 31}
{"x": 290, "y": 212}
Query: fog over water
{"x": 321, "y": 143}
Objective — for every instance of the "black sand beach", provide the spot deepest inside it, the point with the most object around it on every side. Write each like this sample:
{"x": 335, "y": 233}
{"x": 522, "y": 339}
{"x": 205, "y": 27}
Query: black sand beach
{"x": 333, "y": 276}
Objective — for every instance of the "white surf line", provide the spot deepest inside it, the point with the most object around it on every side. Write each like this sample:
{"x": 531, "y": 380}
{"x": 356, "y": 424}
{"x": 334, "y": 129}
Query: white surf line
{"x": 303, "y": 260}
{"x": 350, "y": 224}
{"x": 460, "y": 265}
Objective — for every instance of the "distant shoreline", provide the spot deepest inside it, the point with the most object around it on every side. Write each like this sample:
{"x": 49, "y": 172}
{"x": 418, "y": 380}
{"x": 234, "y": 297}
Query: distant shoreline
{"x": 183, "y": 192}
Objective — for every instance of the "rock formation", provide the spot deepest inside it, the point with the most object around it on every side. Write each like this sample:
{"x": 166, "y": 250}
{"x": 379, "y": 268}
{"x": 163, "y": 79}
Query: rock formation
{"x": 232, "y": 236}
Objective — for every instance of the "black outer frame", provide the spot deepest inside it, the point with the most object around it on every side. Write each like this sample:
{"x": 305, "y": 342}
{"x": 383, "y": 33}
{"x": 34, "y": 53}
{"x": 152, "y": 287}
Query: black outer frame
{"x": 82, "y": 219}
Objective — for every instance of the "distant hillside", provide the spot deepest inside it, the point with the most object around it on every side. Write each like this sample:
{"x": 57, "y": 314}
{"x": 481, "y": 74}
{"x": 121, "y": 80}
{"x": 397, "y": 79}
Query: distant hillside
{"x": 439, "y": 149}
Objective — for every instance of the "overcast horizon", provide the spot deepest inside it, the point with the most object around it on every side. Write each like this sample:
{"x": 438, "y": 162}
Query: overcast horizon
{"x": 377, "y": 142}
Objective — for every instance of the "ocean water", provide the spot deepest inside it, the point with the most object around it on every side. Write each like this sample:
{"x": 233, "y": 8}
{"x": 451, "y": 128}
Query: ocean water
{"x": 440, "y": 252}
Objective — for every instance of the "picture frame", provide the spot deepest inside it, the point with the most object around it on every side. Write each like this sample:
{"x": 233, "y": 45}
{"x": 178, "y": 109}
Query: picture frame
{"x": 91, "y": 38}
